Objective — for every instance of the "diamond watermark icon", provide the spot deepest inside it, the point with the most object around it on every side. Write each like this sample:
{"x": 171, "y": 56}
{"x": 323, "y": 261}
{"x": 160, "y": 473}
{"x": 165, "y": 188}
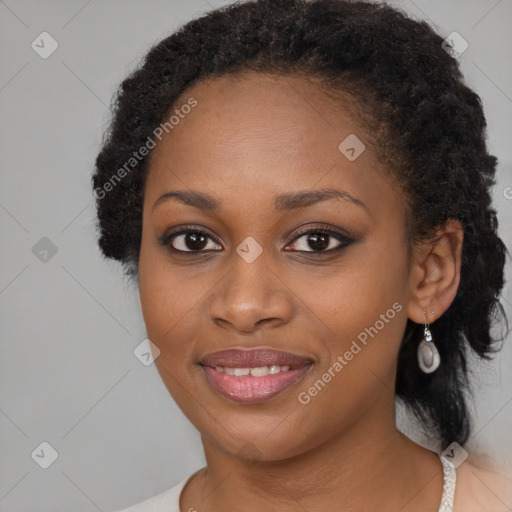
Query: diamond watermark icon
{"x": 455, "y": 45}
{"x": 146, "y": 352}
{"x": 455, "y": 454}
{"x": 249, "y": 453}
{"x": 45, "y": 455}
{"x": 249, "y": 249}
{"x": 44, "y": 45}
{"x": 352, "y": 147}
{"x": 44, "y": 250}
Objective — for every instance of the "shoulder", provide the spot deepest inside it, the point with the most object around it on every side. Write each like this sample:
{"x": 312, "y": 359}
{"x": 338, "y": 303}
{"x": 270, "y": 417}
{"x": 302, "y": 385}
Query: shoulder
{"x": 167, "y": 500}
{"x": 482, "y": 490}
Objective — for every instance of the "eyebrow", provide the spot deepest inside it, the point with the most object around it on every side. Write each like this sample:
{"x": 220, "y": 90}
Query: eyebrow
{"x": 292, "y": 201}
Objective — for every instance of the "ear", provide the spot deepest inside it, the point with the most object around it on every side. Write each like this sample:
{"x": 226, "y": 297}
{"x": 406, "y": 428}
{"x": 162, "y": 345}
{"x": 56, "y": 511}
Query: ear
{"x": 435, "y": 273}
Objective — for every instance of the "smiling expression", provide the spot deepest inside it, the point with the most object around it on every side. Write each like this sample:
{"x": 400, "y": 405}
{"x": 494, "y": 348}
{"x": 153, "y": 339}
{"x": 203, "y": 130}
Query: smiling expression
{"x": 258, "y": 161}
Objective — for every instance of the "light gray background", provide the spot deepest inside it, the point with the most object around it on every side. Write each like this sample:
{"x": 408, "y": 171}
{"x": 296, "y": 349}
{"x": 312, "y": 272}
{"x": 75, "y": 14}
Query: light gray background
{"x": 68, "y": 326}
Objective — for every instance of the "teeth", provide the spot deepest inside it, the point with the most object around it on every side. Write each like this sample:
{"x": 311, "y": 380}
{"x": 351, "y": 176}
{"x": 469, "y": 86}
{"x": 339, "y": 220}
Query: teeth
{"x": 260, "y": 371}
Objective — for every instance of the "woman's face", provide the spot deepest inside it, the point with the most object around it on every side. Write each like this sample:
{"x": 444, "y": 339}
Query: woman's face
{"x": 252, "y": 145}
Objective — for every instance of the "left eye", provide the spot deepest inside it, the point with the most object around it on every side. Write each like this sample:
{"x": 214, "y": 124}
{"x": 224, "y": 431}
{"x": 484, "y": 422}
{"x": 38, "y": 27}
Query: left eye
{"x": 321, "y": 241}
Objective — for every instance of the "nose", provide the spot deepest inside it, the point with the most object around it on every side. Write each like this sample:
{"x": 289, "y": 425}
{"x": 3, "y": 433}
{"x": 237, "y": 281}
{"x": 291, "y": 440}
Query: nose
{"x": 250, "y": 297}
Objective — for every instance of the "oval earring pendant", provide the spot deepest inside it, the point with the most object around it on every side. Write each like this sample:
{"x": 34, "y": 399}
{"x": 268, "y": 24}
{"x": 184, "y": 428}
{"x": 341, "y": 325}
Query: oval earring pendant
{"x": 428, "y": 356}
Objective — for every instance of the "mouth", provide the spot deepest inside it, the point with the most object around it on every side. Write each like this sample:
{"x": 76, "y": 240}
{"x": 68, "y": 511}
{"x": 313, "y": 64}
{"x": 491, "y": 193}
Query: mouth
{"x": 254, "y": 375}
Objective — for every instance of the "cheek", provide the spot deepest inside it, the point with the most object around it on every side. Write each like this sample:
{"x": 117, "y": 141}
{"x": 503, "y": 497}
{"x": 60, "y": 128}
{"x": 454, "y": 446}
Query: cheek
{"x": 160, "y": 293}
{"x": 166, "y": 302}
{"x": 364, "y": 308}
{"x": 170, "y": 303}
{"x": 361, "y": 289}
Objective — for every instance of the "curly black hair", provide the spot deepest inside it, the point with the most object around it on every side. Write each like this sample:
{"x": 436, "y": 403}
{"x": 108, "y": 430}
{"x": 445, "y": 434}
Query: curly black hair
{"x": 429, "y": 129}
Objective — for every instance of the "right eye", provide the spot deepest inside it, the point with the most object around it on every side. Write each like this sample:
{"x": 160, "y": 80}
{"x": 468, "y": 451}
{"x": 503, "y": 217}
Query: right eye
{"x": 187, "y": 241}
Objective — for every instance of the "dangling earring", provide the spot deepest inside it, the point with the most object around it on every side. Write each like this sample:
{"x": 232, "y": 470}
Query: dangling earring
{"x": 428, "y": 355}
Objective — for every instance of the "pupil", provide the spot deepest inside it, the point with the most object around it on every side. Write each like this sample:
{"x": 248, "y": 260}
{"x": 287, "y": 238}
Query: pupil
{"x": 319, "y": 240}
{"x": 194, "y": 237}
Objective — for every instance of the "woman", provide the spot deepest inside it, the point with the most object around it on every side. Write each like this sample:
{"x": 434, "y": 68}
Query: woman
{"x": 301, "y": 191}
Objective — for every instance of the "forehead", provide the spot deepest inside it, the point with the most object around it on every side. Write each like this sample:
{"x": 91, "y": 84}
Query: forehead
{"x": 253, "y": 136}
{"x": 283, "y": 113}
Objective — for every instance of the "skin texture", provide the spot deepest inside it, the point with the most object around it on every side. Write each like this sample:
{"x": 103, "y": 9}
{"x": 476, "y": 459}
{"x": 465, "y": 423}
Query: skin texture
{"x": 247, "y": 141}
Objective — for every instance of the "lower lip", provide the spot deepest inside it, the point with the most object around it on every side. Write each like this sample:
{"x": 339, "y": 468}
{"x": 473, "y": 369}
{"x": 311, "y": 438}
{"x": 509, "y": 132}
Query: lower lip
{"x": 249, "y": 389}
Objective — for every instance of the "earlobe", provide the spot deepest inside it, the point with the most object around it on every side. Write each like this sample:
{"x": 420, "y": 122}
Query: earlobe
{"x": 435, "y": 272}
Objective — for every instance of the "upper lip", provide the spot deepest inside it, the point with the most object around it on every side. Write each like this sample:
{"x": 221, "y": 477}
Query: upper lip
{"x": 251, "y": 358}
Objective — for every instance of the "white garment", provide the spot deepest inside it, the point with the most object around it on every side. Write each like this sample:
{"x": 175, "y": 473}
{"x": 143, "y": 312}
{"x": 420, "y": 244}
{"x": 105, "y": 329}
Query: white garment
{"x": 169, "y": 501}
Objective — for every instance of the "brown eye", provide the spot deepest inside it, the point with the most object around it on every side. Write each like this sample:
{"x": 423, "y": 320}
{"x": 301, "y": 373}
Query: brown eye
{"x": 190, "y": 240}
{"x": 319, "y": 240}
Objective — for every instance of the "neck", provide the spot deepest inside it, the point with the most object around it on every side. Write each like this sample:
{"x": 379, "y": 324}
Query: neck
{"x": 362, "y": 468}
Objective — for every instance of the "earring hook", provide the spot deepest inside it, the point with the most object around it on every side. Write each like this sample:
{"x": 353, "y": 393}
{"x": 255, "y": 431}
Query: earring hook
{"x": 426, "y": 317}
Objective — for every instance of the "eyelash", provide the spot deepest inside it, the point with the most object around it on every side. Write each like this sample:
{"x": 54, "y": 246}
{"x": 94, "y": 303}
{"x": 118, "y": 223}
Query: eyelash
{"x": 345, "y": 241}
